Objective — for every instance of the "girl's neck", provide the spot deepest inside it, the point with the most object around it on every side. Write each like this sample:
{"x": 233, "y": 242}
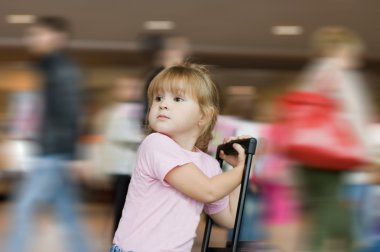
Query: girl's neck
{"x": 185, "y": 141}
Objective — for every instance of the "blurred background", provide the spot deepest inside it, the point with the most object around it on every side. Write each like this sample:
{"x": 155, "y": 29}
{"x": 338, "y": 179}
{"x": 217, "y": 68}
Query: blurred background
{"x": 255, "y": 50}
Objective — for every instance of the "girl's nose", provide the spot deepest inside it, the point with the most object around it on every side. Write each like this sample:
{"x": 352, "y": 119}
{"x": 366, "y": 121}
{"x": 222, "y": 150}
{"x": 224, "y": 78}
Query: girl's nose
{"x": 163, "y": 105}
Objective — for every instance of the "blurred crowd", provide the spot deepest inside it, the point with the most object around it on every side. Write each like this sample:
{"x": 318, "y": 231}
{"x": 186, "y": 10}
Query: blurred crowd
{"x": 293, "y": 204}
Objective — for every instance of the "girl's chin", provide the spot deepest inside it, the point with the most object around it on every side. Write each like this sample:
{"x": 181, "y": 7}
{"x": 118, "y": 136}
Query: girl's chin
{"x": 161, "y": 131}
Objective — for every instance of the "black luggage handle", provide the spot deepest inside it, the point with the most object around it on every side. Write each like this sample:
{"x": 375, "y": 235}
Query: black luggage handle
{"x": 249, "y": 145}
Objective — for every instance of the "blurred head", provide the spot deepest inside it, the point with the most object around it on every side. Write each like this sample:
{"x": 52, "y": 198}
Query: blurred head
{"x": 339, "y": 43}
{"x": 166, "y": 50}
{"x": 192, "y": 93}
{"x": 175, "y": 51}
{"x": 47, "y": 34}
{"x": 127, "y": 89}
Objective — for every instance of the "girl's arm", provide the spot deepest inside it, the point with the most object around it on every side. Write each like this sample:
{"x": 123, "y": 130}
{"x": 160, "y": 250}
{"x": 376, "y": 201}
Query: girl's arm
{"x": 191, "y": 181}
{"x": 226, "y": 217}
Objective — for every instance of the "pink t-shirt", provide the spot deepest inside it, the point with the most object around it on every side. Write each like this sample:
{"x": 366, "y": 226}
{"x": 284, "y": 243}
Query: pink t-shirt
{"x": 157, "y": 217}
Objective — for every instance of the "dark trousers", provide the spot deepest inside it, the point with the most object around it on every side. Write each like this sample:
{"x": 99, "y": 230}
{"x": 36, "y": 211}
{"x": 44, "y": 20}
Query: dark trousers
{"x": 330, "y": 219}
{"x": 121, "y": 185}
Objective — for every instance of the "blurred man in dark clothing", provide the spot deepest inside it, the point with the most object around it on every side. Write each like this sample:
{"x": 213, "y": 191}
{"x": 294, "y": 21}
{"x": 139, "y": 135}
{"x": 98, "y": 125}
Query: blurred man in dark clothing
{"x": 60, "y": 90}
{"x": 49, "y": 180}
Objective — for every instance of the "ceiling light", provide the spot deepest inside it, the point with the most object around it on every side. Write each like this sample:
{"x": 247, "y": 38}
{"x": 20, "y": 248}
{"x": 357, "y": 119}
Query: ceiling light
{"x": 287, "y": 30}
{"x": 20, "y": 19}
{"x": 159, "y": 25}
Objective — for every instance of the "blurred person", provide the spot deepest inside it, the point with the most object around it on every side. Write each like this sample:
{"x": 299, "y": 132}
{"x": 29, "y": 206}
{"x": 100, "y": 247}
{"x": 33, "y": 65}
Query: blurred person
{"x": 49, "y": 181}
{"x": 164, "y": 51}
{"x": 174, "y": 179}
{"x": 276, "y": 183}
{"x": 332, "y": 74}
{"x": 120, "y": 126}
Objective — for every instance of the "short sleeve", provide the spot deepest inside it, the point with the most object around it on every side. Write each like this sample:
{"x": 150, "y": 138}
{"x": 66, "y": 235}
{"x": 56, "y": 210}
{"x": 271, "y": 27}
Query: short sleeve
{"x": 162, "y": 155}
{"x": 217, "y": 206}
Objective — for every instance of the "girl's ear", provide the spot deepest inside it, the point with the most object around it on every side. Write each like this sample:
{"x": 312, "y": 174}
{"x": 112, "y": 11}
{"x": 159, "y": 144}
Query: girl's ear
{"x": 202, "y": 122}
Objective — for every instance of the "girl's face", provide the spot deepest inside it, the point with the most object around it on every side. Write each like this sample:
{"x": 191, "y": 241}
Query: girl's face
{"x": 175, "y": 115}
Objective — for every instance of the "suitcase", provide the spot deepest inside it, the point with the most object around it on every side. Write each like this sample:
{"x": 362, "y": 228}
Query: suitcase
{"x": 250, "y": 147}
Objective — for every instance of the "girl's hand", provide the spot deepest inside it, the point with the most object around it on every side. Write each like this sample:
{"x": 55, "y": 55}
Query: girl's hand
{"x": 234, "y": 160}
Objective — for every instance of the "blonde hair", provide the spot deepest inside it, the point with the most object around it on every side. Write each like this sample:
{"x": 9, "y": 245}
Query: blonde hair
{"x": 330, "y": 39}
{"x": 193, "y": 80}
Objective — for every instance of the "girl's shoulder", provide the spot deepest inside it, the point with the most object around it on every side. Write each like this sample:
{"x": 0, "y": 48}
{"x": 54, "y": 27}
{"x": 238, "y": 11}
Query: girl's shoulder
{"x": 158, "y": 141}
{"x": 161, "y": 142}
{"x": 156, "y": 138}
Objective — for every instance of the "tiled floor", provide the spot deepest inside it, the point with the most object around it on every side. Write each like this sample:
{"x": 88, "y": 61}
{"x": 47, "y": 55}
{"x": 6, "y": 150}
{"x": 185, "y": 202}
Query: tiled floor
{"x": 97, "y": 219}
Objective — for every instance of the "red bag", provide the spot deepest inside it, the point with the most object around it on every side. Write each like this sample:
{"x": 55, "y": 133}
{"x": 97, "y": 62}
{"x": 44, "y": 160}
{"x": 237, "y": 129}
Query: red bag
{"x": 317, "y": 135}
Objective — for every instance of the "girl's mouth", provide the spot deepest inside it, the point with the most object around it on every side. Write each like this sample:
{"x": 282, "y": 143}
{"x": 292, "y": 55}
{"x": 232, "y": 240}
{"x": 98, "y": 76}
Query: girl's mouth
{"x": 162, "y": 117}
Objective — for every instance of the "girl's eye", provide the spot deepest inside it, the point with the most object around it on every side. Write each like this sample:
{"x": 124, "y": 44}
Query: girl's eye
{"x": 178, "y": 99}
{"x": 158, "y": 98}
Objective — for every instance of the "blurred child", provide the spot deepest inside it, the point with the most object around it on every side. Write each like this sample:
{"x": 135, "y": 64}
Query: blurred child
{"x": 332, "y": 74}
{"x": 174, "y": 180}
{"x": 276, "y": 185}
{"x": 122, "y": 133}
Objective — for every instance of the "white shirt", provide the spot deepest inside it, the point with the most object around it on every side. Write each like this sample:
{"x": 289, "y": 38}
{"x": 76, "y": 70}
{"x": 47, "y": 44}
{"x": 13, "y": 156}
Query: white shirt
{"x": 122, "y": 136}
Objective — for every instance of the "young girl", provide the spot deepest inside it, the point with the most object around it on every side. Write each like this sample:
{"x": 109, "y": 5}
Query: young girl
{"x": 174, "y": 180}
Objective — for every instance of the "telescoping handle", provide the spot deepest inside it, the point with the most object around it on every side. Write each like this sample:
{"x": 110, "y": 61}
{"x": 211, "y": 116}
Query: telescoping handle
{"x": 249, "y": 145}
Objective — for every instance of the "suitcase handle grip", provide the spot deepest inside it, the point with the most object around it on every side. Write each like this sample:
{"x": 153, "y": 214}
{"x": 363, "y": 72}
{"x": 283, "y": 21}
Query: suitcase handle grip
{"x": 249, "y": 144}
